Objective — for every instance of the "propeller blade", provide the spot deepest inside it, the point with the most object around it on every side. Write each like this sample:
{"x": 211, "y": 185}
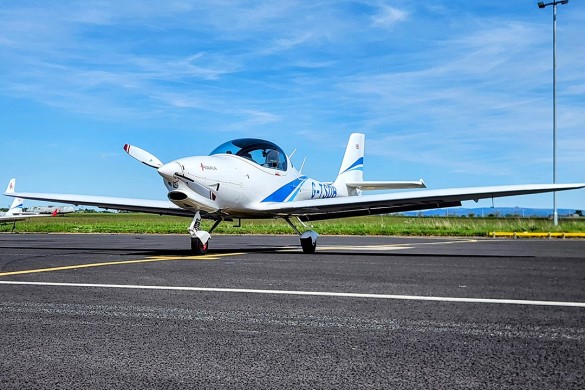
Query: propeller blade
{"x": 143, "y": 156}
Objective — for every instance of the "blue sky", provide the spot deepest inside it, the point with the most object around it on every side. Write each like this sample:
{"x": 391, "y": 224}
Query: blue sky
{"x": 458, "y": 93}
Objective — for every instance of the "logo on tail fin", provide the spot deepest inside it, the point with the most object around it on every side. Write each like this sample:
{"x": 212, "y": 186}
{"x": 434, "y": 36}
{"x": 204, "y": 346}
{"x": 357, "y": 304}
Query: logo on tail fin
{"x": 357, "y": 165}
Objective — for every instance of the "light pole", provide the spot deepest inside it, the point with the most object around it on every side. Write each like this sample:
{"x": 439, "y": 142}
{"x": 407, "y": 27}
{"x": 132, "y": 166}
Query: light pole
{"x": 543, "y": 5}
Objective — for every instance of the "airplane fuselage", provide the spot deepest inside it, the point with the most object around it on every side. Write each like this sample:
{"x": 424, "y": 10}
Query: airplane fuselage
{"x": 236, "y": 184}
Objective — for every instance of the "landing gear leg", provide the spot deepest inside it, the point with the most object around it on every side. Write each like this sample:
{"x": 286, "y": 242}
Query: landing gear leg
{"x": 199, "y": 238}
{"x": 308, "y": 238}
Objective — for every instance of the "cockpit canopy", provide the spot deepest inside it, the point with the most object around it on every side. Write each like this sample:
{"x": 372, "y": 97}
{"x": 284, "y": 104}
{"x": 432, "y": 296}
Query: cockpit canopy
{"x": 262, "y": 152}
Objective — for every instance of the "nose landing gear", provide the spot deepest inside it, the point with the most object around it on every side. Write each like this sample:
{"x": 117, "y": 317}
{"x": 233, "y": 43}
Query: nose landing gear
{"x": 200, "y": 238}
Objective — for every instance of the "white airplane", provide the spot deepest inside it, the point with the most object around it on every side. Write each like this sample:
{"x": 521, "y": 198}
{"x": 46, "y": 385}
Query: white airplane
{"x": 61, "y": 210}
{"x": 16, "y": 213}
{"x": 253, "y": 178}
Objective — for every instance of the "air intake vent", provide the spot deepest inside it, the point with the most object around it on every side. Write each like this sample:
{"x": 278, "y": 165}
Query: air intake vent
{"x": 177, "y": 195}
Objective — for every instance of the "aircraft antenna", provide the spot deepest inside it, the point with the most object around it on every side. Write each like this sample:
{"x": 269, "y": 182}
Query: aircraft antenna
{"x": 302, "y": 165}
{"x": 292, "y": 154}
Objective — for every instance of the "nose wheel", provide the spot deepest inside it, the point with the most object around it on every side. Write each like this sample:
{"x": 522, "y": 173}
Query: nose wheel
{"x": 197, "y": 247}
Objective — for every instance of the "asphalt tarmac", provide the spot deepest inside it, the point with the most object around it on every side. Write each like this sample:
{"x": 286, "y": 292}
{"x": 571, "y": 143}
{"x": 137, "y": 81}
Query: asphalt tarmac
{"x": 138, "y": 311}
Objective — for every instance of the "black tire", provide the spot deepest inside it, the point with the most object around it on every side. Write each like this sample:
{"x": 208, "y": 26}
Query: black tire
{"x": 197, "y": 247}
{"x": 308, "y": 246}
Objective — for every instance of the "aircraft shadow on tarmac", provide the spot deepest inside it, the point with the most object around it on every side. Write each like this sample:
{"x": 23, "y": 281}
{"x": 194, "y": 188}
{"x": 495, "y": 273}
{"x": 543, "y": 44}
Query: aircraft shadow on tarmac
{"x": 293, "y": 250}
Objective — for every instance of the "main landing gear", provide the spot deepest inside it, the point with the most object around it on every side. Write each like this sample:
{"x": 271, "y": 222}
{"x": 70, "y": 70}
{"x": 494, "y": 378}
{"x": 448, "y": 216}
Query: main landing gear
{"x": 308, "y": 238}
{"x": 200, "y": 238}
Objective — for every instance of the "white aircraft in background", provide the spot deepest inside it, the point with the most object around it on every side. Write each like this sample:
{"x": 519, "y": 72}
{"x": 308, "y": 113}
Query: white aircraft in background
{"x": 254, "y": 178}
{"x": 51, "y": 209}
{"x": 16, "y": 213}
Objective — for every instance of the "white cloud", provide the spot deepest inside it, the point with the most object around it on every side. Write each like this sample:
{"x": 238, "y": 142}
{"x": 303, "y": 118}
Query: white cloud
{"x": 388, "y": 16}
{"x": 293, "y": 41}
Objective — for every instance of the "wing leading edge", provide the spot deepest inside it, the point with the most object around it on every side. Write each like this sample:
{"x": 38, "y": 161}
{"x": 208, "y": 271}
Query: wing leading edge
{"x": 318, "y": 209}
{"x": 126, "y": 204}
{"x": 162, "y": 207}
{"x": 15, "y": 218}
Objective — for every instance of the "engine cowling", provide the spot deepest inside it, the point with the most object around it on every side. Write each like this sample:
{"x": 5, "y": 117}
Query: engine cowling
{"x": 188, "y": 199}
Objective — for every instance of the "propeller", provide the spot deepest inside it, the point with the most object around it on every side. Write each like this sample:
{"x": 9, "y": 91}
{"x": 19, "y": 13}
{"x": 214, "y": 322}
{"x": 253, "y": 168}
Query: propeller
{"x": 143, "y": 156}
{"x": 172, "y": 171}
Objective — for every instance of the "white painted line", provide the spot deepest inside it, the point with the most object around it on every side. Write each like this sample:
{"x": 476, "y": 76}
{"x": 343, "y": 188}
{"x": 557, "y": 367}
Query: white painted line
{"x": 388, "y": 247}
{"x": 324, "y": 248}
{"x": 363, "y": 247}
{"x": 305, "y": 293}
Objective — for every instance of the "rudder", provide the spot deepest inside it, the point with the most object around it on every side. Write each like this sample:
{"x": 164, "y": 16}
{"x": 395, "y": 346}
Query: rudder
{"x": 352, "y": 165}
{"x": 16, "y": 207}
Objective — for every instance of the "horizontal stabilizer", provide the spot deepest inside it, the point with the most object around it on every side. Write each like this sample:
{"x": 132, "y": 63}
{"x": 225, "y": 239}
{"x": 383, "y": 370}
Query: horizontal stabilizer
{"x": 386, "y": 185}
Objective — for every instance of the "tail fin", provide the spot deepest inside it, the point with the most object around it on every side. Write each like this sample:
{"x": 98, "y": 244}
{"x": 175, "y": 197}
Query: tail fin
{"x": 352, "y": 166}
{"x": 16, "y": 207}
{"x": 17, "y": 204}
{"x": 11, "y": 186}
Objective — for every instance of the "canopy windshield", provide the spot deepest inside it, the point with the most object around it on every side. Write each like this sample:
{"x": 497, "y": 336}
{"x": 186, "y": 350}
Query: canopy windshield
{"x": 262, "y": 152}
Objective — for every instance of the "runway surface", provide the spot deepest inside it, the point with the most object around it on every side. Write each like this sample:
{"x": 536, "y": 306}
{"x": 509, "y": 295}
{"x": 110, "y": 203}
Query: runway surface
{"x": 138, "y": 311}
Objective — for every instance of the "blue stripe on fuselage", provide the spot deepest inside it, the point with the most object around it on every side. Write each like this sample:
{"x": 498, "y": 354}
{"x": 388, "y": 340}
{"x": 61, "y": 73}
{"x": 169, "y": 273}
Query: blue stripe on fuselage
{"x": 286, "y": 190}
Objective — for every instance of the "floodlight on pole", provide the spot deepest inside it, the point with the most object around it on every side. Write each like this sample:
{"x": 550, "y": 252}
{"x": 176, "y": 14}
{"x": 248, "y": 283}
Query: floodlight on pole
{"x": 542, "y": 5}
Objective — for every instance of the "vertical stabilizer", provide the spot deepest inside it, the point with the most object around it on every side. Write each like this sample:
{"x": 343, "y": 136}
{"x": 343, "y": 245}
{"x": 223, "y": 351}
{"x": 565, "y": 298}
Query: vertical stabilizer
{"x": 352, "y": 165}
{"x": 16, "y": 207}
{"x": 17, "y": 204}
{"x": 11, "y": 184}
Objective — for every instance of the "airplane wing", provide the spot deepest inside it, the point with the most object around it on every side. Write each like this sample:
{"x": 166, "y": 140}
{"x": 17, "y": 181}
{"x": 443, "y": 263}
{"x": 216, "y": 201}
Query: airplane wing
{"x": 14, "y": 218}
{"x": 127, "y": 204}
{"x": 319, "y": 209}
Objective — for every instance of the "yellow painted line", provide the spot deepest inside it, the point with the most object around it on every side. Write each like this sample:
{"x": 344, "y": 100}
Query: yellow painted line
{"x": 537, "y": 235}
{"x": 147, "y": 260}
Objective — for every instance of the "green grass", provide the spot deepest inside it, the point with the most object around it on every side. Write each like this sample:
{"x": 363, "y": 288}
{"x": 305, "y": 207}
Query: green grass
{"x": 373, "y": 225}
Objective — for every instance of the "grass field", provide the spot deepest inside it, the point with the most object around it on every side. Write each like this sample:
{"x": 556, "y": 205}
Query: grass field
{"x": 373, "y": 225}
